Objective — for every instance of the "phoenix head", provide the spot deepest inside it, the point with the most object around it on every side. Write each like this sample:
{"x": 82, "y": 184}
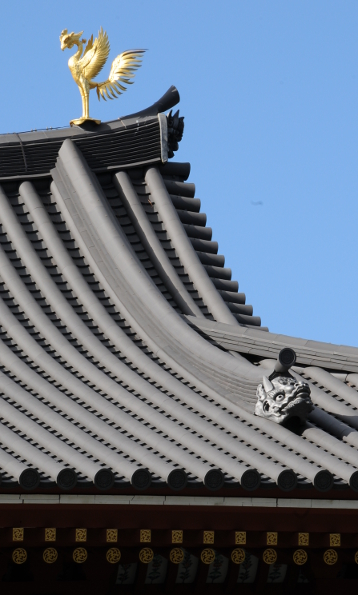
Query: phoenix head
{"x": 68, "y": 40}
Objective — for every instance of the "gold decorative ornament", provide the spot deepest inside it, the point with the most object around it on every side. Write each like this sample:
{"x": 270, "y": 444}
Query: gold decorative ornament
{"x": 269, "y": 556}
{"x": 146, "y": 555}
{"x": 335, "y": 539}
{"x": 80, "y": 555}
{"x": 50, "y": 555}
{"x": 113, "y": 555}
{"x": 50, "y": 534}
{"x": 176, "y": 555}
{"x": 207, "y": 556}
{"x": 330, "y": 557}
{"x": 303, "y": 539}
{"x": 271, "y": 538}
{"x": 18, "y": 534}
{"x": 240, "y": 537}
{"x": 19, "y": 556}
{"x": 208, "y": 537}
{"x": 87, "y": 66}
{"x": 177, "y": 536}
{"x": 81, "y": 534}
{"x": 238, "y": 555}
{"x": 300, "y": 557}
{"x": 356, "y": 557}
{"x": 112, "y": 535}
{"x": 145, "y": 536}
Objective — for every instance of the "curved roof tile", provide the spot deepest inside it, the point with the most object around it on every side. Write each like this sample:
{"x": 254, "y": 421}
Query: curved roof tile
{"x": 127, "y": 355}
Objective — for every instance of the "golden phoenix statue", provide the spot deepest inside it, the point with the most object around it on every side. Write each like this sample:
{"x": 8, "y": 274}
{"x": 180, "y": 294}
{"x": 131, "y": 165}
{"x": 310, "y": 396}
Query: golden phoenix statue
{"x": 87, "y": 66}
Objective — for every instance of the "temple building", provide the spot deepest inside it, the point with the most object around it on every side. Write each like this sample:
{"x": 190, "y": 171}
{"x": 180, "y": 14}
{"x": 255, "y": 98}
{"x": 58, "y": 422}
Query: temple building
{"x": 155, "y": 438}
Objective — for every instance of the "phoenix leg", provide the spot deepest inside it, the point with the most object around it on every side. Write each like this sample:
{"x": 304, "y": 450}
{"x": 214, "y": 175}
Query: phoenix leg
{"x": 85, "y": 103}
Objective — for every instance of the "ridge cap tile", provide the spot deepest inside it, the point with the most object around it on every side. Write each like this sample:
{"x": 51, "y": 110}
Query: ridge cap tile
{"x": 230, "y": 501}
{"x": 180, "y": 500}
{"x": 39, "y": 496}
{"x": 10, "y": 499}
{"x": 321, "y": 346}
{"x": 293, "y": 503}
{"x": 196, "y": 500}
{"x": 36, "y": 499}
{"x": 296, "y": 340}
{"x": 77, "y": 499}
{"x": 331, "y": 504}
{"x": 112, "y": 499}
{"x": 258, "y": 502}
{"x": 116, "y": 499}
{"x": 152, "y": 500}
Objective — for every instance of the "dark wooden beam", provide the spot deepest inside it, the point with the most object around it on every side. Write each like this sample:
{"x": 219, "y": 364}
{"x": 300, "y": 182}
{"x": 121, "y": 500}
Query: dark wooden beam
{"x": 222, "y": 520}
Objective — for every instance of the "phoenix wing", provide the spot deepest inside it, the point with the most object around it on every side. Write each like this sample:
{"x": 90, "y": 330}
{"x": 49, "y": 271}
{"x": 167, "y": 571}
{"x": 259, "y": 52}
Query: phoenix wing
{"x": 123, "y": 69}
{"x": 95, "y": 55}
{"x": 89, "y": 45}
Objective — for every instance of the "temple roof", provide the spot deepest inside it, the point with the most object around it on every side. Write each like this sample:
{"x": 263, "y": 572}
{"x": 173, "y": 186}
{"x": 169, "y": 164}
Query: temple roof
{"x": 128, "y": 356}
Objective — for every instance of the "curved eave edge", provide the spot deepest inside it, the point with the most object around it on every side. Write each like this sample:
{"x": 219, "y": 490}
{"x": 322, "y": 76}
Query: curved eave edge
{"x": 268, "y": 345}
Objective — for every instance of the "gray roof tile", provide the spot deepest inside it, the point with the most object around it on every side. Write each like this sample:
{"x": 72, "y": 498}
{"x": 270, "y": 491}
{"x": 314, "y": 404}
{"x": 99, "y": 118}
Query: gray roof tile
{"x": 111, "y": 318}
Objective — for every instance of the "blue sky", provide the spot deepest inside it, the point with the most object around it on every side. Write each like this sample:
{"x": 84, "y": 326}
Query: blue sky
{"x": 269, "y": 91}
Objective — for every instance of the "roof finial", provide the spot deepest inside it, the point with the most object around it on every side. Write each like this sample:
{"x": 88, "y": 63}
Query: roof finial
{"x": 85, "y": 67}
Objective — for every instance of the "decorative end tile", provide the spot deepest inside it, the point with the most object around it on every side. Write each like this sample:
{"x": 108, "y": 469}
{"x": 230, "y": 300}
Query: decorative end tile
{"x": 18, "y": 534}
{"x": 271, "y": 538}
{"x": 240, "y": 537}
{"x": 335, "y": 539}
{"x": 81, "y": 534}
{"x": 177, "y": 536}
{"x": 208, "y": 537}
{"x": 145, "y": 536}
{"x": 303, "y": 539}
{"x": 50, "y": 534}
{"x": 111, "y": 535}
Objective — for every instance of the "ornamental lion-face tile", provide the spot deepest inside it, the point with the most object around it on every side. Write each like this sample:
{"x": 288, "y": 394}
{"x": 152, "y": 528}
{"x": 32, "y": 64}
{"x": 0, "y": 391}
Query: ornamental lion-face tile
{"x": 283, "y": 398}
